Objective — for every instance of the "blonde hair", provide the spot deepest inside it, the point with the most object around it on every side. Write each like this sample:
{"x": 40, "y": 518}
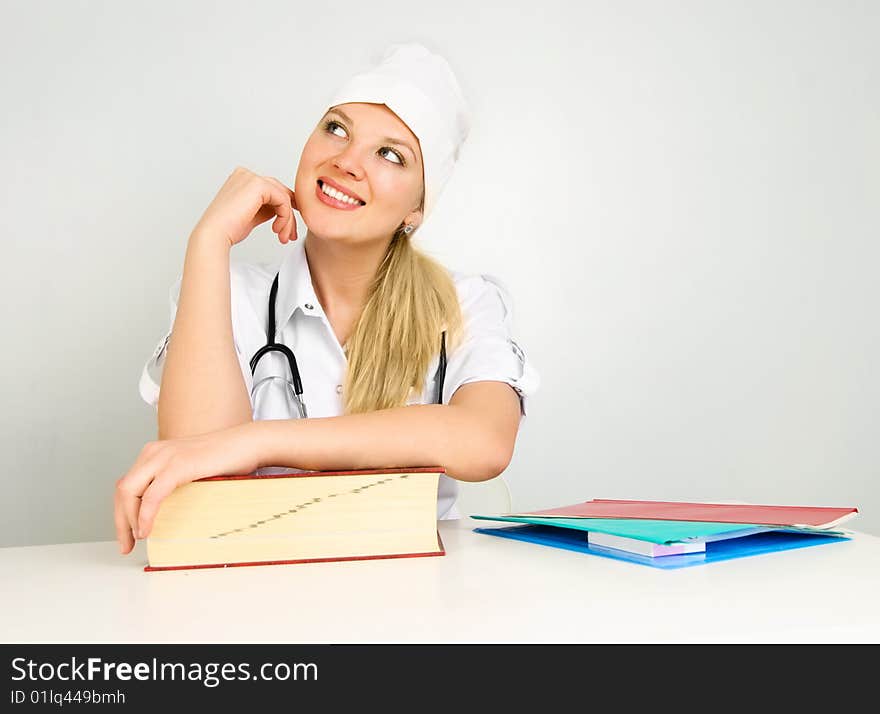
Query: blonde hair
{"x": 410, "y": 302}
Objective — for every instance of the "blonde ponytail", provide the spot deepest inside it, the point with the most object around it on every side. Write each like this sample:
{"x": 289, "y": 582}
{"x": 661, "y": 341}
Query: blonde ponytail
{"x": 411, "y": 301}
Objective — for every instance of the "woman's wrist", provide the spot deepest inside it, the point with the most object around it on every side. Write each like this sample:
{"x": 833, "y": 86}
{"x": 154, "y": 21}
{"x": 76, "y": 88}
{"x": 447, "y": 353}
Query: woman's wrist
{"x": 205, "y": 238}
{"x": 256, "y": 442}
{"x": 206, "y": 251}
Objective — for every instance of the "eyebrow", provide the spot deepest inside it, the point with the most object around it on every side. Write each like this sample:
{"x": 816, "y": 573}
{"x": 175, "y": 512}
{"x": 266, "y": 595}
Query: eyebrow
{"x": 389, "y": 139}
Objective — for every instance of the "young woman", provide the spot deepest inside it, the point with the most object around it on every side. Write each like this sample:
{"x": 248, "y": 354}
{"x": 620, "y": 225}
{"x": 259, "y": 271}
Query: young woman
{"x": 358, "y": 351}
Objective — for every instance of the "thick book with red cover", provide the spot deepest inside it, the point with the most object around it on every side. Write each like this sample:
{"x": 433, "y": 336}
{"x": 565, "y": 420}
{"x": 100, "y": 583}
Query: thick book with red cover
{"x": 793, "y": 516}
{"x": 297, "y": 517}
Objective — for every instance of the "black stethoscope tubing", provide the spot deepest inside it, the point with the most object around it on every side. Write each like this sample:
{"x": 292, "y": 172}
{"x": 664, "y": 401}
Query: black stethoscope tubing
{"x": 273, "y": 346}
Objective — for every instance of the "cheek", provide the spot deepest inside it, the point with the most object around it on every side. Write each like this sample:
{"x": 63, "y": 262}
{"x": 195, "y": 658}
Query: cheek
{"x": 311, "y": 155}
{"x": 396, "y": 189}
{"x": 306, "y": 202}
{"x": 303, "y": 190}
{"x": 301, "y": 182}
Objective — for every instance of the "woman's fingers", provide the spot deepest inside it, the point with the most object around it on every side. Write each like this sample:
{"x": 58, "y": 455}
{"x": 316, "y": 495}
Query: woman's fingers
{"x": 163, "y": 466}
{"x": 283, "y": 202}
{"x": 123, "y": 528}
{"x": 280, "y": 227}
{"x": 125, "y": 514}
{"x": 288, "y": 192}
{"x": 130, "y": 506}
{"x": 160, "y": 488}
{"x": 274, "y": 197}
{"x": 129, "y": 490}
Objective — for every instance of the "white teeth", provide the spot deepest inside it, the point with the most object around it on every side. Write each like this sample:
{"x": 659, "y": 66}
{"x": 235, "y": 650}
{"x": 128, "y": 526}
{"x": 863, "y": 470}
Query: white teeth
{"x": 339, "y": 196}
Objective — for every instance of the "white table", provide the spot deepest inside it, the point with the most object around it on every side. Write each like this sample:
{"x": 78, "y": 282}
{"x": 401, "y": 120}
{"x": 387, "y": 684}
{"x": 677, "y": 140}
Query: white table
{"x": 485, "y": 589}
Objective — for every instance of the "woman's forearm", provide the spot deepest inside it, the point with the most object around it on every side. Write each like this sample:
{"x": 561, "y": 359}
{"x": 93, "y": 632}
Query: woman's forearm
{"x": 202, "y": 386}
{"x": 416, "y": 435}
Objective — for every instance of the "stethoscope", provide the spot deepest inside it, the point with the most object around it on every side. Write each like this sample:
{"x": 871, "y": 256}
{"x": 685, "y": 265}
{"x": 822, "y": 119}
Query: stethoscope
{"x": 296, "y": 387}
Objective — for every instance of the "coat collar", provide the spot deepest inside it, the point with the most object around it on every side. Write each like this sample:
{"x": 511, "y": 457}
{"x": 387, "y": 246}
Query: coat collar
{"x": 295, "y": 289}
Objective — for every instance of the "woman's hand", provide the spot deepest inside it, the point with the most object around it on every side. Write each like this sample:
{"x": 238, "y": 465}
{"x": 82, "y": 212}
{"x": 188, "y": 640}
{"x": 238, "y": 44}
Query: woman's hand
{"x": 164, "y": 465}
{"x": 245, "y": 201}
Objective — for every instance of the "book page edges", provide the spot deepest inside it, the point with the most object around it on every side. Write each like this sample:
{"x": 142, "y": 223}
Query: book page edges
{"x": 233, "y": 521}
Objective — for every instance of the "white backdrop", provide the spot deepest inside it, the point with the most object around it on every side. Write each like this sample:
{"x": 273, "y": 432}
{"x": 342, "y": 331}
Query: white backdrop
{"x": 682, "y": 198}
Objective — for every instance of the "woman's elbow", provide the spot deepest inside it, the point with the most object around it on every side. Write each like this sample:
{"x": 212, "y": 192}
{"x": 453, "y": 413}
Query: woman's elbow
{"x": 502, "y": 460}
{"x": 493, "y": 463}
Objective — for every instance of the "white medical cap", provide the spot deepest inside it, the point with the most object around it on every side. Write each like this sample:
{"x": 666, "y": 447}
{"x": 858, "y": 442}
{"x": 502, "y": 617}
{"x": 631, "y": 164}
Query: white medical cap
{"x": 420, "y": 87}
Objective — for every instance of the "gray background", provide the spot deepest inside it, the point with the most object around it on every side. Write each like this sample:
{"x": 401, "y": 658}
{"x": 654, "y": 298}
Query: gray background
{"x": 680, "y": 196}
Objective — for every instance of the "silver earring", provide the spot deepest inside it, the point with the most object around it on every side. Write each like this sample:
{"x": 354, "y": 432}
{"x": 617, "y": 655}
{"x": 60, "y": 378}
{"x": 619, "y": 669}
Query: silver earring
{"x": 409, "y": 229}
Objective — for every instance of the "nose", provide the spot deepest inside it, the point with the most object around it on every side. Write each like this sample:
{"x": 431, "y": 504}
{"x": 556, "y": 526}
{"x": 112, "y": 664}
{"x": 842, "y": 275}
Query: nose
{"x": 349, "y": 161}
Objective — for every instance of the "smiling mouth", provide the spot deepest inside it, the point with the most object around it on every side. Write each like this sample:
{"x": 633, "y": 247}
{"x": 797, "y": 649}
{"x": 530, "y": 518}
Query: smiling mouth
{"x": 337, "y": 202}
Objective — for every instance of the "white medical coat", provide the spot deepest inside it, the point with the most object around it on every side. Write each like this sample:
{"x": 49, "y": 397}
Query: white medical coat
{"x": 488, "y": 351}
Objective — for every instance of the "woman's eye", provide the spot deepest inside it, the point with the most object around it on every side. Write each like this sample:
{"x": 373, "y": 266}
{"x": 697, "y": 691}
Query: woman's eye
{"x": 330, "y": 124}
{"x": 394, "y": 154}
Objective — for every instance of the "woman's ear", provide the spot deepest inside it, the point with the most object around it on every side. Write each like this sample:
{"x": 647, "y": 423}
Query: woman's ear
{"x": 413, "y": 218}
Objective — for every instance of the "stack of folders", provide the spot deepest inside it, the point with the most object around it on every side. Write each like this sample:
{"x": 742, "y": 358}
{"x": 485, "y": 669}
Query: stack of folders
{"x": 667, "y": 534}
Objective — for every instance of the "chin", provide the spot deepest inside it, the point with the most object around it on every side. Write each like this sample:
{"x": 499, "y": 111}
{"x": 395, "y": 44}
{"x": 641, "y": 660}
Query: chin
{"x": 337, "y": 226}
{"x": 322, "y": 225}
{"x": 318, "y": 219}
{"x": 330, "y": 231}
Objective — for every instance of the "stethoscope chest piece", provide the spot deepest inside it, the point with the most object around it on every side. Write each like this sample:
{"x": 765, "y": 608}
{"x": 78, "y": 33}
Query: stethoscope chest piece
{"x": 273, "y": 346}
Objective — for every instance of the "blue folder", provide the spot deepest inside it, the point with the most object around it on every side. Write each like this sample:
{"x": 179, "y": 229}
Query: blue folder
{"x": 716, "y": 550}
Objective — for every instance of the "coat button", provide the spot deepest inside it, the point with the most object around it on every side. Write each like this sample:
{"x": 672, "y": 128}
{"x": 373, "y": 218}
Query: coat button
{"x": 339, "y": 389}
{"x": 309, "y": 306}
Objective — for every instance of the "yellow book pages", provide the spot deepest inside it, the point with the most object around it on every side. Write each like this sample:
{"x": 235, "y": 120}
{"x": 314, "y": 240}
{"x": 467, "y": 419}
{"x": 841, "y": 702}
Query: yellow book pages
{"x": 296, "y": 517}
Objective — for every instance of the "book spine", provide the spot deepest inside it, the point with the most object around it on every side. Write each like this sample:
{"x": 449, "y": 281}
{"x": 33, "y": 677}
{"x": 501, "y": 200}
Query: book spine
{"x": 151, "y": 569}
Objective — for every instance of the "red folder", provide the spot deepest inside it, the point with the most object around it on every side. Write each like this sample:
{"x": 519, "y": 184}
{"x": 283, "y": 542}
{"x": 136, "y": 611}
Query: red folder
{"x": 792, "y": 516}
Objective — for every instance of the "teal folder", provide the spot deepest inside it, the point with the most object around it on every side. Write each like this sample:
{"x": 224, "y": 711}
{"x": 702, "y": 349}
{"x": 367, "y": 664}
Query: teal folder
{"x": 653, "y": 531}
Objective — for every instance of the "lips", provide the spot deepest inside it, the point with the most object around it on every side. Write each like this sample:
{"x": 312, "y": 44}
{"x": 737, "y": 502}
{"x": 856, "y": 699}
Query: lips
{"x": 332, "y": 202}
{"x": 339, "y": 187}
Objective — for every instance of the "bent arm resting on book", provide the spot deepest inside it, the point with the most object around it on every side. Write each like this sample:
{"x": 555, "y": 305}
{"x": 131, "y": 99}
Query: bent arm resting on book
{"x": 472, "y": 438}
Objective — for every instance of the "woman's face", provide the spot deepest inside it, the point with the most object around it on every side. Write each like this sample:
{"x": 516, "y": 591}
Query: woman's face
{"x": 368, "y": 153}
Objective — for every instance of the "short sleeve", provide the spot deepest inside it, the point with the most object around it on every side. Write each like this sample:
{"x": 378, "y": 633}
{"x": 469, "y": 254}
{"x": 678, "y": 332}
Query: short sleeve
{"x": 151, "y": 375}
{"x": 488, "y": 351}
